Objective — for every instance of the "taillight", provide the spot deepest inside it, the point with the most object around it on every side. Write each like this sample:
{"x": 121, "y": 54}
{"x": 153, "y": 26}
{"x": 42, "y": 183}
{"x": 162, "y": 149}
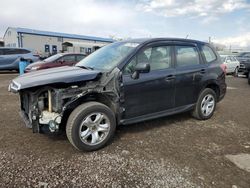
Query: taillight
{"x": 224, "y": 68}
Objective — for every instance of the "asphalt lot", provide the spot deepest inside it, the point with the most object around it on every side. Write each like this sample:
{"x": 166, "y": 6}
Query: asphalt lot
{"x": 176, "y": 151}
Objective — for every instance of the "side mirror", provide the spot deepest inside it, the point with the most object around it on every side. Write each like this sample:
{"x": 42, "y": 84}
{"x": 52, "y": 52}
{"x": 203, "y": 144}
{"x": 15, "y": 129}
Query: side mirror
{"x": 140, "y": 68}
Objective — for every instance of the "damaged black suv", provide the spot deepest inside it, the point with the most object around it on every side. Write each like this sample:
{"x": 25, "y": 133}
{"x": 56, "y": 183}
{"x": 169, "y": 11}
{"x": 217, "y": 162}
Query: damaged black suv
{"x": 122, "y": 83}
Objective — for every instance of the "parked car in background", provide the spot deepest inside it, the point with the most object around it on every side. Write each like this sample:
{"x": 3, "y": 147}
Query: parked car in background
{"x": 10, "y": 57}
{"x": 122, "y": 83}
{"x": 232, "y": 64}
{"x": 58, "y": 60}
{"x": 244, "y": 59}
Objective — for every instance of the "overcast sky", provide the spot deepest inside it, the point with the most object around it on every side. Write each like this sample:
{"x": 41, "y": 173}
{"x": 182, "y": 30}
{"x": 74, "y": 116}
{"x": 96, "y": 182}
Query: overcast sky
{"x": 226, "y": 21}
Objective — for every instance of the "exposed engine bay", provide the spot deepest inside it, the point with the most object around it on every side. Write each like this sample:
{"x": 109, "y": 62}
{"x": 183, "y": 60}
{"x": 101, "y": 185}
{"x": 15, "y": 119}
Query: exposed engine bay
{"x": 45, "y": 108}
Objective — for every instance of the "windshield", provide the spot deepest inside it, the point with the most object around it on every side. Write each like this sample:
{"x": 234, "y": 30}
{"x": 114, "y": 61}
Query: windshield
{"x": 53, "y": 58}
{"x": 108, "y": 57}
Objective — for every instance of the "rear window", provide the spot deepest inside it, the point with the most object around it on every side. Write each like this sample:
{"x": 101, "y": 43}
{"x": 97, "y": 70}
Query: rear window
{"x": 209, "y": 54}
{"x": 223, "y": 58}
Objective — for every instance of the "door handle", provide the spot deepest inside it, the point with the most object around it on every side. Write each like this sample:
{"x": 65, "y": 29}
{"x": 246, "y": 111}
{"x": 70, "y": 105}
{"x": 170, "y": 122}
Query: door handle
{"x": 170, "y": 77}
{"x": 203, "y": 71}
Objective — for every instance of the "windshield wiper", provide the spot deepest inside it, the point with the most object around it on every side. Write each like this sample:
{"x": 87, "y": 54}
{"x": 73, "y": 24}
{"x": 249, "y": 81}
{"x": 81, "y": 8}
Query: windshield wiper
{"x": 85, "y": 67}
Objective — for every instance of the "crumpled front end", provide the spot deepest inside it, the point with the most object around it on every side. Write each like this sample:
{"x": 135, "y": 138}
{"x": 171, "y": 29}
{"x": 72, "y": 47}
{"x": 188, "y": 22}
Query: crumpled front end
{"x": 40, "y": 108}
{"x": 43, "y": 108}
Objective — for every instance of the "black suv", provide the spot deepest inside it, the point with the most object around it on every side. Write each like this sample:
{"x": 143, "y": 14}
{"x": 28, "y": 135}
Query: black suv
{"x": 244, "y": 59}
{"x": 122, "y": 83}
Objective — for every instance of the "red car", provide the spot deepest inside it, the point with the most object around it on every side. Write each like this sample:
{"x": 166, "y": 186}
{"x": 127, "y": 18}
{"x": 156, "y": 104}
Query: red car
{"x": 58, "y": 60}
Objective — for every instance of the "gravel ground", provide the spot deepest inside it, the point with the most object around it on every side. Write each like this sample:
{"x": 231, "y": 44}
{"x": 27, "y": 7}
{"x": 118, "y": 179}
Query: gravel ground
{"x": 176, "y": 151}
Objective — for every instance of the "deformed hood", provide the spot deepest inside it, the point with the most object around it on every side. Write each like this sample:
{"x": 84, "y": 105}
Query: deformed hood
{"x": 66, "y": 74}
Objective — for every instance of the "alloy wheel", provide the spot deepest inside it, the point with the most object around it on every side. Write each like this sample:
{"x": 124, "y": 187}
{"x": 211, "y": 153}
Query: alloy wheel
{"x": 207, "y": 105}
{"x": 94, "y": 128}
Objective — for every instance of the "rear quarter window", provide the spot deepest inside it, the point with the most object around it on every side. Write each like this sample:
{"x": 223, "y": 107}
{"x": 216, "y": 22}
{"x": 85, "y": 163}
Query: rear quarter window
{"x": 208, "y": 54}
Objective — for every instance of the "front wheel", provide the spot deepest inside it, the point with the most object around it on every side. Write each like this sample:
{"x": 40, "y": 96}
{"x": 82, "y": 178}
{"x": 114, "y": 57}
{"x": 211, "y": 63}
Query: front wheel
{"x": 90, "y": 126}
{"x": 205, "y": 105}
{"x": 236, "y": 72}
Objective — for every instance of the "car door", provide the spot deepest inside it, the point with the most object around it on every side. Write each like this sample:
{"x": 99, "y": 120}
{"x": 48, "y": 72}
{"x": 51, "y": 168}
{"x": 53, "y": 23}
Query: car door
{"x": 154, "y": 91}
{"x": 189, "y": 73}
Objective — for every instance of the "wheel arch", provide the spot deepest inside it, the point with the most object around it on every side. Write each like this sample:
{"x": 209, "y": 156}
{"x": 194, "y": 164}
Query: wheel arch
{"x": 215, "y": 87}
{"x": 93, "y": 96}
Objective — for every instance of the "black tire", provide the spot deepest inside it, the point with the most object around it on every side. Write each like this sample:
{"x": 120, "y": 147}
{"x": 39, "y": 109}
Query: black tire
{"x": 197, "y": 112}
{"x": 247, "y": 75}
{"x": 236, "y": 72}
{"x": 75, "y": 120}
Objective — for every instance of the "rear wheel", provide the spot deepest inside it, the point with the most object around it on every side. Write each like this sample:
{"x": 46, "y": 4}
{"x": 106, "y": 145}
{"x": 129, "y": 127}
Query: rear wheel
{"x": 90, "y": 126}
{"x": 205, "y": 105}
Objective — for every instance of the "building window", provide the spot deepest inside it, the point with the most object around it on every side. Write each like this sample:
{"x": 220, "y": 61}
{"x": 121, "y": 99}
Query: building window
{"x": 54, "y": 49}
{"x": 82, "y": 49}
{"x": 9, "y": 33}
{"x": 46, "y": 48}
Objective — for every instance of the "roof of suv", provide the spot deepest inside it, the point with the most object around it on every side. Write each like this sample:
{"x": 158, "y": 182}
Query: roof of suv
{"x": 145, "y": 40}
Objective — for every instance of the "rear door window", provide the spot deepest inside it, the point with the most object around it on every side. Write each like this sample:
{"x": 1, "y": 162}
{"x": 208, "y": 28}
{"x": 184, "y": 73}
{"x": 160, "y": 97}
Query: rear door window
{"x": 208, "y": 54}
{"x": 69, "y": 58}
{"x": 186, "y": 56}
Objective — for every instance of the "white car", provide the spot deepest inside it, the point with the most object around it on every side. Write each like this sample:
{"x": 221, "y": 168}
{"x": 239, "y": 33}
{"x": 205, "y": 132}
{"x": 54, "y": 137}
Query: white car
{"x": 231, "y": 63}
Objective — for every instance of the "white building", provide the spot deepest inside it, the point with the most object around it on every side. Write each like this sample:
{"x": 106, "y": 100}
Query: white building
{"x": 45, "y": 42}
